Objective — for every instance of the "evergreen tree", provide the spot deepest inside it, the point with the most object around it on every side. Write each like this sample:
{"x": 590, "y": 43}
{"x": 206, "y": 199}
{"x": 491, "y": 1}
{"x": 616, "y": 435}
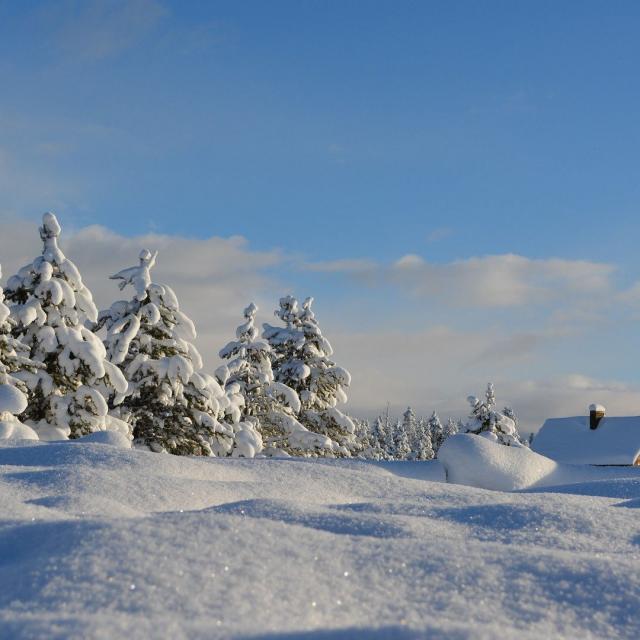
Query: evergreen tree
{"x": 487, "y": 421}
{"x": 271, "y": 405}
{"x": 402, "y": 448}
{"x": 423, "y": 446}
{"x": 410, "y": 428}
{"x": 364, "y": 443}
{"x": 378, "y": 439}
{"x": 509, "y": 413}
{"x": 14, "y": 360}
{"x": 436, "y": 431}
{"x": 301, "y": 360}
{"x": 389, "y": 444}
{"x": 450, "y": 428}
{"x": 51, "y": 313}
{"x": 170, "y": 403}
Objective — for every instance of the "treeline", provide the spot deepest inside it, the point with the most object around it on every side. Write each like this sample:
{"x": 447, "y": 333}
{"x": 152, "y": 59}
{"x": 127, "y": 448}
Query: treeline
{"x": 419, "y": 438}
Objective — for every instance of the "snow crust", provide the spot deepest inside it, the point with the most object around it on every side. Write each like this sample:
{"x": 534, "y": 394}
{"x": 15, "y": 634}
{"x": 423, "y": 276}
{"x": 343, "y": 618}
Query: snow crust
{"x": 102, "y": 542}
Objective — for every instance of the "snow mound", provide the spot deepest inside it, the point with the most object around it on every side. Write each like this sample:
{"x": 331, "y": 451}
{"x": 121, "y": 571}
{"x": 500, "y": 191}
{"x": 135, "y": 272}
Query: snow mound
{"x": 480, "y": 462}
{"x": 113, "y": 438}
{"x": 12, "y": 400}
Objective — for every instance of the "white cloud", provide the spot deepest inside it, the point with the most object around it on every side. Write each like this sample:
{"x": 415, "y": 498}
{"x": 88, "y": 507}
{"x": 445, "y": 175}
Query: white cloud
{"x": 409, "y": 262}
{"x": 506, "y": 280}
{"x": 503, "y": 280}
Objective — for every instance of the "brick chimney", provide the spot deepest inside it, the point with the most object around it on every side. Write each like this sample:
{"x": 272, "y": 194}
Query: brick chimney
{"x": 596, "y": 413}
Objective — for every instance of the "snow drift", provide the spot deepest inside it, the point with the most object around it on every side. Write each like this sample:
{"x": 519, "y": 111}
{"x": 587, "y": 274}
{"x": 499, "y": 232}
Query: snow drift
{"x": 479, "y": 462}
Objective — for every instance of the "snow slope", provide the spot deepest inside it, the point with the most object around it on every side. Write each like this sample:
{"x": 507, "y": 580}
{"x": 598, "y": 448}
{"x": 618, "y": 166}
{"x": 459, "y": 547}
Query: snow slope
{"x": 98, "y": 541}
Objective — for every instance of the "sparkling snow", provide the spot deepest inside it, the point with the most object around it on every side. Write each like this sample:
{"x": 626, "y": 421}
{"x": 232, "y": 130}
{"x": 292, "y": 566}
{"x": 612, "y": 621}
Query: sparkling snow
{"x": 98, "y": 541}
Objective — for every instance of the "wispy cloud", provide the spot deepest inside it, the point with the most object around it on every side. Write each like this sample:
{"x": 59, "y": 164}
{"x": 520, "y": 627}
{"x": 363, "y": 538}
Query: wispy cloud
{"x": 439, "y": 234}
{"x": 98, "y": 29}
{"x": 505, "y": 280}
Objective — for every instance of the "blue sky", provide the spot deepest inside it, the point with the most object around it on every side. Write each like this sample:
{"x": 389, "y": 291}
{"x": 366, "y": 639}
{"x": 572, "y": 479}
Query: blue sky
{"x": 352, "y": 132}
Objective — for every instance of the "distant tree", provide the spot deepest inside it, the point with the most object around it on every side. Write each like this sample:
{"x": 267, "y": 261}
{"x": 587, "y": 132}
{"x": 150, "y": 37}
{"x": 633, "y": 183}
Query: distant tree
{"x": 436, "y": 431}
{"x": 402, "y": 448}
{"x": 509, "y": 413}
{"x": 450, "y": 428}
{"x": 487, "y": 421}
{"x": 423, "y": 446}
{"x": 409, "y": 428}
{"x": 390, "y": 437}
{"x": 378, "y": 439}
{"x": 52, "y": 313}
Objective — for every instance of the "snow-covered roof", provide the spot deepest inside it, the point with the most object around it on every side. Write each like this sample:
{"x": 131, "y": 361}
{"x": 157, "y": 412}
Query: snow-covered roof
{"x": 615, "y": 441}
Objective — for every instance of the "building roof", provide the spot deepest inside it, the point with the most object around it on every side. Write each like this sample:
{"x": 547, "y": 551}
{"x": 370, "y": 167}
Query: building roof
{"x": 615, "y": 441}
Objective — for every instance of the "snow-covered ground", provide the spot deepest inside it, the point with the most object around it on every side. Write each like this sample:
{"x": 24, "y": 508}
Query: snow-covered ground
{"x": 102, "y": 542}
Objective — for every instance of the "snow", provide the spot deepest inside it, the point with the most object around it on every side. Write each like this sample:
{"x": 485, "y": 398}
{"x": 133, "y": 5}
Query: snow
{"x": 112, "y": 437}
{"x": 102, "y": 542}
{"x": 12, "y": 400}
{"x": 479, "y": 462}
{"x": 597, "y": 407}
{"x": 14, "y": 430}
{"x": 615, "y": 441}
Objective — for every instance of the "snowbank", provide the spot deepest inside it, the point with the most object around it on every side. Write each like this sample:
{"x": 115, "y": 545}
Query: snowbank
{"x": 479, "y": 462}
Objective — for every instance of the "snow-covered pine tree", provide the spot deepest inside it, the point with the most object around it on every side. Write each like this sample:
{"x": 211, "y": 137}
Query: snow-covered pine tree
{"x": 364, "y": 442}
{"x": 510, "y": 413}
{"x": 170, "y": 404}
{"x": 301, "y": 360}
{"x": 450, "y": 428}
{"x": 51, "y": 313}
{"x": 14, "y": 359}
{"x": 423, "y": 446}
{"x": 410, "y": 427}
{"x": 485, "y": 420}
{"x": 436, "y": 431}
{"x": 402, "y": 448}
{"x": 271, "y": 405}
{"x": 378, "y": 438}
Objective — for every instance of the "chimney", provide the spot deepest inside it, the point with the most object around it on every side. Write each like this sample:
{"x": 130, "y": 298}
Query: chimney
{"x": 596, "y": 413}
